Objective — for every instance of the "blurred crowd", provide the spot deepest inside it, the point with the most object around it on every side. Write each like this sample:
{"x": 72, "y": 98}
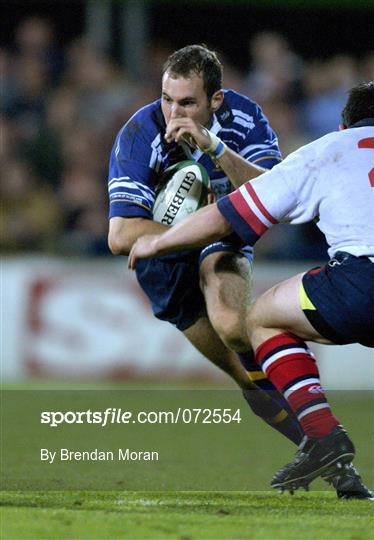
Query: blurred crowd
{"x": 62, "y": 107}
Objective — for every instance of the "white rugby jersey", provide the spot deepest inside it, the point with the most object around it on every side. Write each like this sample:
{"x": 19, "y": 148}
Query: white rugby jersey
{"x": 330, "y": 180}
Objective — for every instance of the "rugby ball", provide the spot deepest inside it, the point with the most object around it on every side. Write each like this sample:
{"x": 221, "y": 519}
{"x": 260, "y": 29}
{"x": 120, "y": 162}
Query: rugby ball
{"x": 183, "y": 189}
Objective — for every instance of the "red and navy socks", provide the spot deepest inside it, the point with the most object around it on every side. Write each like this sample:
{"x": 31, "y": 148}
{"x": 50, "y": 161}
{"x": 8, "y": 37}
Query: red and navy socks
{"x": 290, "y": 366}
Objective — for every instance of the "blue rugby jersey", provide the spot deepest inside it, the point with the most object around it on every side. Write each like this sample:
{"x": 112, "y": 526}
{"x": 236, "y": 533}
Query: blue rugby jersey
{"x": 140, "y": 153}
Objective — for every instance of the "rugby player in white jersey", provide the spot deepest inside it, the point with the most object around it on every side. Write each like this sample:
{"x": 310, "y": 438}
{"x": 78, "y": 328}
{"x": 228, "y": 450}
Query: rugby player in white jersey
{"x": 330, "y": 180}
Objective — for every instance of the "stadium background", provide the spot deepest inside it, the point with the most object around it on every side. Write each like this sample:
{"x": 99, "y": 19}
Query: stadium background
{"x": 77, "y": 333}
{"x": 72, "y": 73}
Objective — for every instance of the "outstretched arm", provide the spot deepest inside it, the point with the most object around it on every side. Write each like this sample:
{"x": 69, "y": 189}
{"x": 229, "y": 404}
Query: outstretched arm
{"x": 203, "y": 227}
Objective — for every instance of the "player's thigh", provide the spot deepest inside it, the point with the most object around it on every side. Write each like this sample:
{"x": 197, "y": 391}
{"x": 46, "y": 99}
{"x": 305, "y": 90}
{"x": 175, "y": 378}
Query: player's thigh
{"x": 279, "y": 308}
{"x": 203, "y": 336}
{"x": 225, "y": 279}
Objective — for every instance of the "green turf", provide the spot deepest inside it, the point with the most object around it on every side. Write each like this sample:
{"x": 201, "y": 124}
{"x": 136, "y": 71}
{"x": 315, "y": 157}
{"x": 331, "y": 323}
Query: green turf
{"x": 184, "y": 516}
{"x": 97, "y": 514}
{"x": 193, "y": 457}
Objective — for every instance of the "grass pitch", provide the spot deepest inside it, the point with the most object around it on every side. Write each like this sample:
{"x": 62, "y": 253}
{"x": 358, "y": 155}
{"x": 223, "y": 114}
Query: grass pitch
{"x": 193, "y": 515}
{"x": 184, "y": 516}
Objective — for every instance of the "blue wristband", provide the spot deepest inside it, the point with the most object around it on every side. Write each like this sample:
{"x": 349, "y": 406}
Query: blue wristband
{"x": 219, "y": 150}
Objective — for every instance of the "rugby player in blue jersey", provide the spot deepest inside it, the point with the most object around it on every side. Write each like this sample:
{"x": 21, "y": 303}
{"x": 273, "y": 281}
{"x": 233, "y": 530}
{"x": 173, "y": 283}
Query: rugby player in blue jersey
{"x": 204, "y": 293}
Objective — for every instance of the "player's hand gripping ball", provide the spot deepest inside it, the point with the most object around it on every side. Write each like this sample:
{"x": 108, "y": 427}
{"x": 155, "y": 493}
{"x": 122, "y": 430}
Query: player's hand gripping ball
{"x": 183, "y": 189}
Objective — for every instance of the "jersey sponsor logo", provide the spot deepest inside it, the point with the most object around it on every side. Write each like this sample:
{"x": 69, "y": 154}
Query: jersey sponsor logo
{"x": 129, "y": 198}
{"x": 225, "y": 116}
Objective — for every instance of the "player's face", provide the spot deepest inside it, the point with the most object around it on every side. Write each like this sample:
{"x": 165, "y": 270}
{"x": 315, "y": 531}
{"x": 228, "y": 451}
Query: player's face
{"x": 183, "y": 97}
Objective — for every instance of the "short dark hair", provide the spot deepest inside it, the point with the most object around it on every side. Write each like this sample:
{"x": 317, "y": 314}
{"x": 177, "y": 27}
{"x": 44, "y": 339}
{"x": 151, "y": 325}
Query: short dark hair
{"x": 360, "y": 104}
{"x": 200, "y": 60}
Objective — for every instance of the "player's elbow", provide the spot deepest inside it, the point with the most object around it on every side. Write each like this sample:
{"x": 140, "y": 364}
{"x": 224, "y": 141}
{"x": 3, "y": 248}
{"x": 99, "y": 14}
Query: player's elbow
{"x": 118, "y": 245}
{"x": 121, "y": 235}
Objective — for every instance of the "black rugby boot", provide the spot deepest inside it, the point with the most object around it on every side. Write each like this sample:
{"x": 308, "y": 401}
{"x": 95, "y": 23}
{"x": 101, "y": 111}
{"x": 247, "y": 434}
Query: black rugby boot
{"x": 315, "y": 457}
{"x": 348, "y": 483}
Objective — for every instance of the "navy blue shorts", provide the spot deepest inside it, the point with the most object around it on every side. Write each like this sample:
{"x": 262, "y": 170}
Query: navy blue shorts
{"x": 172, "y": 282}
{"x": 342, "y": 299}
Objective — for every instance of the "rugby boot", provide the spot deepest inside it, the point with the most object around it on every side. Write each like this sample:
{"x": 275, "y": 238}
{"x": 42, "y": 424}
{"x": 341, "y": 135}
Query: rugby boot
{"x": 348, "y": 483}
{"x": 315, "y": 457}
